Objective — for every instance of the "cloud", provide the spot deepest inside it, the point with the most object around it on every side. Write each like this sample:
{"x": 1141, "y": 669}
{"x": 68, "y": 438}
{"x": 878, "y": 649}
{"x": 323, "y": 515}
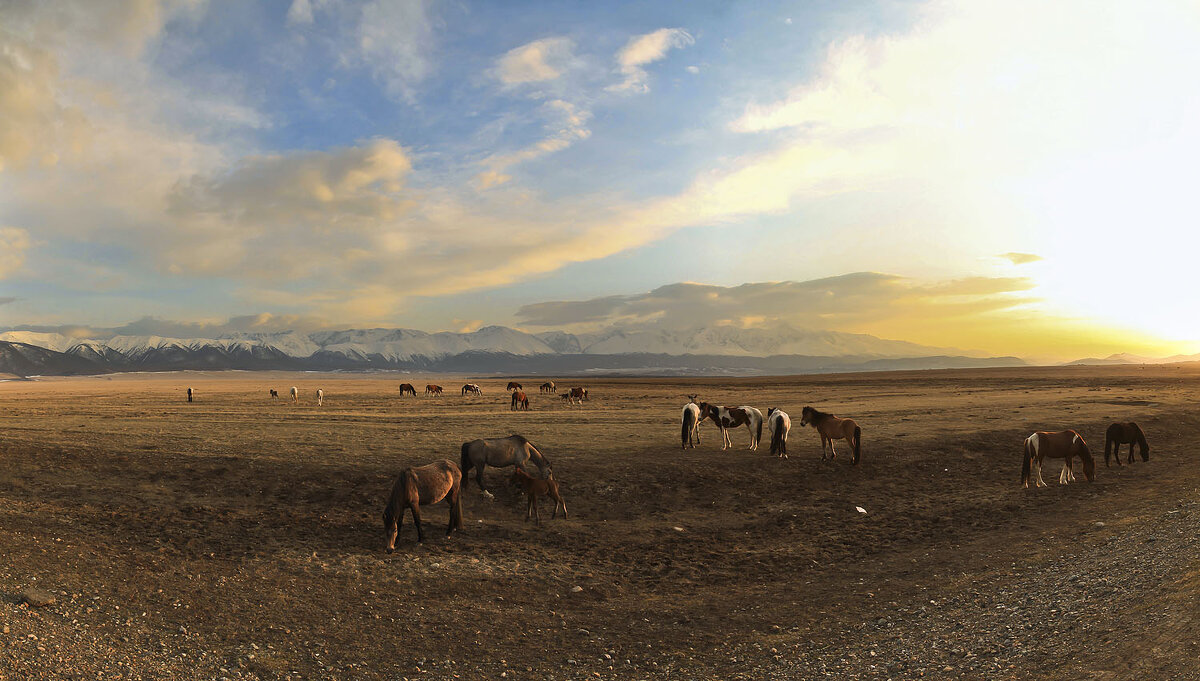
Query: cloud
{"x": 14, "y": 242}
{"x": 566, "y": 125}
{"x": 645, "y": 49}
{"x": 5, "y": 300}
{"x": 300, "y": 13}
{"x": 395, "y": 40}
{"x": 1021, "y": 258}
{"x": 537, "y": 61}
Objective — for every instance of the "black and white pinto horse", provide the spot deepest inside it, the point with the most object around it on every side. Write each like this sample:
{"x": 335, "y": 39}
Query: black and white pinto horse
{"x": 274, "y": 394}
{"x": 472, "y": 389}
{"x": 732, "y": 417}
{"x": 691, "y": 424}
{"x": 778, "y": 424}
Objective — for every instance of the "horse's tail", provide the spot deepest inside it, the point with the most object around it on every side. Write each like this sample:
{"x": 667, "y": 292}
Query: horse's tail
{"x": 465, "y": 462}
{"x": 1027, "y": 464}
{"x": 777, "y": 438}
{"x": 689, "y": 424}
{"x": 857, "y": 442}
{"x": 758, "y": 435}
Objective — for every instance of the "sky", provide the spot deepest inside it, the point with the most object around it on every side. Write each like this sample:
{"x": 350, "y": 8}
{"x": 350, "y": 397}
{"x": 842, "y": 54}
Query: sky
{"x": 1010, "y": 177}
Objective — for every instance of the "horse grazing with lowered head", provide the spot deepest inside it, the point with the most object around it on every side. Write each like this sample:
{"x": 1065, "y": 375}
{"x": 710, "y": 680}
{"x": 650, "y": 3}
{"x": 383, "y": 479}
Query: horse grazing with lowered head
{"x": 1065, "y": 445}
{"x": 320, "y": 397}
{"x": 435, "y": 390}
{"x": 295, "y": 393}
{"x": 831, "y": 428}
{"x": 547, "y": 387}
{"x": 733, "y": 417}
{"x": 513, "y": 385}
{"x": 778, "y": 424}
{"x": 538, "y": 487}
{"x": 426, "y": 485}
{"x": 519, "y": 401}
{"x": 274, "y": 394}
{"x": 691, "y": 425}
{"x": 513, "y": 450}
{"x": 579, "y": 394}
{"x": 1125, "y": 434}
{"x": 407, "y": 389}
{"x": 472, "y": 389}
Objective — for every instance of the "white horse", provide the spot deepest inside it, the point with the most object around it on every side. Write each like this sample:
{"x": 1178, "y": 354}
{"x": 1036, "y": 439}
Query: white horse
{"x": 320, "y": 397}
{"x": 691, "y": 426}
{"x": 295, "y": 393}
{"x": 778, "y": 423}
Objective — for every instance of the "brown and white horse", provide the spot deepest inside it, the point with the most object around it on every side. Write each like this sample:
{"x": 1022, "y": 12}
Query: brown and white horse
{"x": 579, "y": 394}
{"x": 435, "y": 390}
{"x": 519, "y": 401}
{"x": 1065, "y": 445}
{"x": 831, "y": 428}
{"x": 472, "y": 389}
{"x": 732, "y": 417}
{"x": 1125, "y": 434}
{"x": 778, "y": 424}
{"x": 547, "y": 387}
{"x": 407, "y": 389}
{"x": 274, "y": 394}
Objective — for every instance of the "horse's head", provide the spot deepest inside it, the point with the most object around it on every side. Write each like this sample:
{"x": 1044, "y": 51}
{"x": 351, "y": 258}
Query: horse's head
{"x": 692, "y": 399}
{"x": 771, "y": 410}
{"x": 1085, "y": 455}
{"x": 806, "y": 416}
{"x": 390, "y": 527}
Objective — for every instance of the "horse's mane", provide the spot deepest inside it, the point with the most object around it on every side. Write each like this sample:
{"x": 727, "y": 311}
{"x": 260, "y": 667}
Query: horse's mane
{"x": 818, "y": 414}
{"x": 519, "y": 438}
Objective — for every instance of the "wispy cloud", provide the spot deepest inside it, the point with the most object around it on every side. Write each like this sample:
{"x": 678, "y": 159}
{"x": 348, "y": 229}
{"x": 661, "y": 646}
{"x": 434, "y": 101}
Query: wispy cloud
{"x": 566, "y": 125}
{"x": 395, "y": 40}
{"x": 646, "y": 49}
{"x": 1021, "y": 258}
{"x": 533, "y": 62}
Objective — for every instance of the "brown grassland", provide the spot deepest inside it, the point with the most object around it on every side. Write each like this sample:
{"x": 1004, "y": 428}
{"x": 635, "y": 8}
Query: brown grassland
{"x": 240, "y": 537}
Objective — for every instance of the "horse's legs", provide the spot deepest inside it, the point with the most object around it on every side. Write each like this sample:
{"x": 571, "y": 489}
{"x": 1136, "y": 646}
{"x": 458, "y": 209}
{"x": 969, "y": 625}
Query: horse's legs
{"x": 823, "y": 454}
{"x": 416, "y": 511}
{"x": 1037, "y": 462}
{"x": 1130, "y": 452}
{"x": 479, "y": 476}
{"x": 832, "y": 450}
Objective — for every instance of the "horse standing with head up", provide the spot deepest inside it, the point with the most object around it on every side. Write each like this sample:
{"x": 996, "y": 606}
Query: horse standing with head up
{"x": 733, "y": 417}
{"x": 831, "y": 428}
{"x": 535, "y": 488}
{"x": 519, "y": 401}
{"x": 778, "y": 424}
{"x": 407, "y": 389}
{"x": 419, "y": 485}
{"x": 1125, "y": 434}
{"x": 691, "y": 424}
{"x": 1065, "y": 445}
{"x": 513, "y": 450}
{"x": 547, "y": 387}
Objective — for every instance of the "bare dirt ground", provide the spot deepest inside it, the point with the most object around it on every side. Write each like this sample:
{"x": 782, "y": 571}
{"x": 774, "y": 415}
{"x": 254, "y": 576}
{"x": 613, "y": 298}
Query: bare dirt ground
{"x": 239, "y": 537}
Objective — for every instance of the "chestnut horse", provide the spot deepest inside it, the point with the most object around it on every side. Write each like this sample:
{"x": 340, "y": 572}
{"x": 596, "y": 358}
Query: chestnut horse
{"x": 1125, "y": 434}
{"x": 426, "y": 484}
{"x": 472, "y": 389}
{"x": 537, "y": 487}
{"x": 732, "y": 417}
{"x": 519, "y": 401}
{"x": 831, "y": 428}
{"x": 513, "y": 450}
{"x": 435, "y": 390}
{"x": 547, "y": 387}
{"x": 407, "y": 389}
{"x": 1064, "y": 444}
{"x": 778, "y": 423}
{"x": 691, "y": 425}
{"x": 513, "y": 385}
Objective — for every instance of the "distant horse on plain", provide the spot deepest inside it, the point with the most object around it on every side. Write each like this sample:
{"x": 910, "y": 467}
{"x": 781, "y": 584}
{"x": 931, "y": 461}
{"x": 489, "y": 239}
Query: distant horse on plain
{"x": 580, "y": 394}
{"x": 519, "y": 401}
{"x": 472, "y": 389}
{"x": 513, "y": 450}
{"x": 426, "y": 485}
{"x": 535, "y": 488}
{"x": 274, "y": 394}
{"x": 295, "y": 393}
{"x": 831, "y": 428}
{"x": 320, "y": 397}
{"x": 778, "y": 424}
{"x": 691, "y": 425}
{"x": 435, "y": 390}
{"x": 727, "y": 418}
{"x": 1065, "y": 445}
{"x": 547, "y": 387}
{"x": 513, "y": 385}
{"x": 1125, "y": 434}
{"x": 569, "y": 398}
{"x": 407, "y": 389}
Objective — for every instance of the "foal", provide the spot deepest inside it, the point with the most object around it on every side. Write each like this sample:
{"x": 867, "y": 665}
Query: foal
{"x": 537, "y": 487}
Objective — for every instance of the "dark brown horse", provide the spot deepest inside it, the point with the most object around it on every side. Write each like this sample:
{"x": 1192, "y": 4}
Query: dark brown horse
{"x": 535, "y": 488}
{"x": 513, "y": 450}
{"x": 1065, "y": 445}
{"x": 435, "y": 390}
{"x": 407, "y": 389}
{"x": 1125, "y": 434}
{"x": 426, "y": 484}
{"x": 519, "y": 401}
{"x": 831, "y": 428}
{"x": 579, "y": 394}
{"x": 513, "y": 385}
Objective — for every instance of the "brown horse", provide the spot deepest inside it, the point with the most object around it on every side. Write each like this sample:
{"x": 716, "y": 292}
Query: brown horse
{"x": 547, "y": 387}
{"x": 407, "y": 389}
{"x": 1065, "y": 445}
{"x": 1125, "y": 434}
{"x": 435, "y": 390}
{"x": 831, "y": 428}
{"x": 733, "y": 417}
{"x": 535, "y": 488}
{"x": 513, "y": 385}
{"x": 513, "y": 450}
{"x": 579, "y": 394}
{"x": 519, "y": 401}
{"x": 426, "y": 484}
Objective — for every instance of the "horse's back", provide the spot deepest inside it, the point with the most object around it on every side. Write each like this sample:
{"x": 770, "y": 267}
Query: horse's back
{"x": 435, "y": 480}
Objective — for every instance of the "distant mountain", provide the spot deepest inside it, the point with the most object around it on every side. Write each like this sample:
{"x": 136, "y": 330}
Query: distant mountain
{"x": 1126, "y": 358}
{"x": 490, "y": 349}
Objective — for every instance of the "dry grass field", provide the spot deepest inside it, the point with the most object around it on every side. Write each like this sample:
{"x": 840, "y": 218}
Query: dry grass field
{"x": 240, "y": 537}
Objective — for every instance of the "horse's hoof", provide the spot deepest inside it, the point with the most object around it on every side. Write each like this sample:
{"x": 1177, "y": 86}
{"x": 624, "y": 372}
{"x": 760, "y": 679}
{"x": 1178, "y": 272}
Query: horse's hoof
{"x": 390, "y": 551}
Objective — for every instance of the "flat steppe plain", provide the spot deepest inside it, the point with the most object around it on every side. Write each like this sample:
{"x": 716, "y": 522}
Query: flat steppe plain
{"x": 240, "y": 537}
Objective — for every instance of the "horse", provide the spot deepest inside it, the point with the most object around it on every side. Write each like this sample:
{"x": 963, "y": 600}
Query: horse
{"x": 431, "y": 389}
{"x": 579, "y": 394}
{"x": 778, "y": 423}
{"x": 189, "y": 394}
{"x": 418, "y": 485}
{"x": 691, "y": 426}
{"x": 407, "y": 389}
{"x": 732, "y": 417}
{"x": 1125, "y": 434}
{"x": 513, "y": 385}
{"x": 519, "y": 401}
{"x": 1065, "y": 444}
{"x": 537, "y": 487}
{"x": 295, "y": 393}
{"x": 320, "y": 397}
{"x": 472, "y": 389}
{"x": 274, "y": 394}
{"x": 547, "y": 387}
{"x": 513, "y": 450}
{"x": 831, "y": 428}
{"x": 570, "y": 398}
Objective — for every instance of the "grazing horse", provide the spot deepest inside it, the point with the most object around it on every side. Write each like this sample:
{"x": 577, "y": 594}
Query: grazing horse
{"x": 537, "y": 487}
{"x": 431, "y": 389}
{"x": 519, "y": 401}
{"x": 513, "y": 385}
{"x": 579, "y": 394}
{"x": 691, "y": 426}
{"x": 568, "y": 398}
{"x": 426, "y": 484}
{"x": 407, "y": 389}
{"x": 778, "y": 423}
{"x": 1125, "y": 434}
{"x": 547, "y": 387}
{"x": 513, "y": 450}
{"x": 274, "y": 394}
{"x": 472, "y": 389}
{"x": 320, "y": 397}
{"x": 1065, "y": 444}
{"x": 295, "y": 393}
{"x": 831, "y": 428}
{"x": 732, "y": 417}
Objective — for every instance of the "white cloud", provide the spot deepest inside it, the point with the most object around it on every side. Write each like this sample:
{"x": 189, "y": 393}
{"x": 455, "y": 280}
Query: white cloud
{"x": 300, "y": 12}
{"x": 645, "y": 49}
{"x": 395, "y": 40}
{"x": 537, "y": 61}
{"x": 567, "y": 124}
{"x": 14, "y": 242}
